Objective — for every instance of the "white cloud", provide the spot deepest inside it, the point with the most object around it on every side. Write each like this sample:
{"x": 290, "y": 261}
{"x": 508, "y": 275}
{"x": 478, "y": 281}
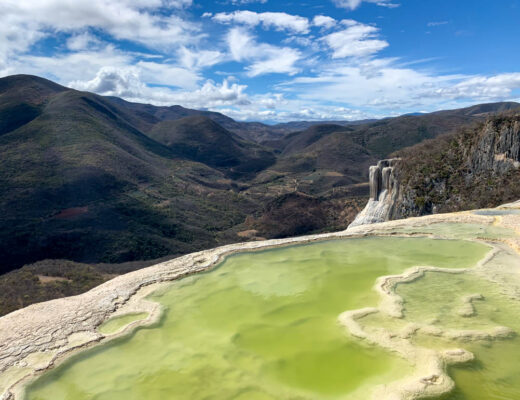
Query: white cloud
{"x": 481, "y": 87}
{"x": 323, "y": 21}
{"x": 284, "y": 63}
{"x": 308, "y": 43}
{"x": 357, "y": 40}
{"x": 239, "y": 42}
{"x": 168, "y": 74}
{"x": 323, "y": 114}
{"x": 344, "y": 78}
{"x": 83, "y": 65}
{"x": 23, "y": 22}
{"x": 276, "y": 20}
{"x": 82, "y": 41}
{"x": 390, "y": 89}
{"x": 293, "y": 111}
{"x": 353, "y": 4}
{"x": 17, "y": 37}
{"x": 197, "y": 59}
{"x": 110, "y": 81}
{"x": 271, "y": 101}
{"x": 68, "y": 67}
{"x": 212, "y": 95}
{"x": 264, "y": 58}
{"x": 127, "y": 83}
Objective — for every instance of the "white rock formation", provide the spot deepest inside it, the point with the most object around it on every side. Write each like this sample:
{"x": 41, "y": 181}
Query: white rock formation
{"x": 384, "y": 189}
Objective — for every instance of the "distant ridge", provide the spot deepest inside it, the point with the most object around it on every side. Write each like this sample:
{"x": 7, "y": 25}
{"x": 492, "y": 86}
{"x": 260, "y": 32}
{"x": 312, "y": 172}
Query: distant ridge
{"x": 199, "y": 138}
{"x": 95, "y": 179}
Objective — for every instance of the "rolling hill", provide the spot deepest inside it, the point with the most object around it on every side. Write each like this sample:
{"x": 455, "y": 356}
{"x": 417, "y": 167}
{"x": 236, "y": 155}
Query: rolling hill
{"x": 147, "y": 115}
{"x": 82, "y": 182}
{"x": 102, "y": 181}
{"x": 332, "y": 158}
{"x": 199, "y": 138}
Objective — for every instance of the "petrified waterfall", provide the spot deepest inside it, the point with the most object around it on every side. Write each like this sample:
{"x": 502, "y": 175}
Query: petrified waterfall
{"x": 384, "y": 190}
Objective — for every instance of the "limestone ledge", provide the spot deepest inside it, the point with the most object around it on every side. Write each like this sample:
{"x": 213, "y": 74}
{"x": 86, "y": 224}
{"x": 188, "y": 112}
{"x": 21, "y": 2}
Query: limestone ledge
{"x": 468, "y": 309}
{"x": 430, "y": 377}
{"x": 42, "y": 335}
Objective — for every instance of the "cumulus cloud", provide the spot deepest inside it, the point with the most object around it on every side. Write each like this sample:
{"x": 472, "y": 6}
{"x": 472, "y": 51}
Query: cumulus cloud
{"x": 353, "y": 4}
{"x": 127, "y": 83}
{"x": 264, "y": 58}
{"x": 357, "y": 40}
{"x": 212, "y": 94}
{"x": 323, "y": 21}
{"x": 110, "y": 81}
{"x": 69, "y": 66}
{"x": 83, "y": 65}
{"x": 276, "y": 20}
{"x": 390, "y": 89}
{"x": 23, "y": 22}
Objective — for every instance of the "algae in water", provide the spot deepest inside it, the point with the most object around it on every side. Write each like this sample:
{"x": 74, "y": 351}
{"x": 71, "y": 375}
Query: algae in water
{"x": 262, "y": 325}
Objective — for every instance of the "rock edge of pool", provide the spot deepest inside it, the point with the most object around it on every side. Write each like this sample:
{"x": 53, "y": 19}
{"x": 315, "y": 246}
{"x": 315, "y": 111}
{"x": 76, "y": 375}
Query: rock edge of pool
{"x": 41, "y": 336}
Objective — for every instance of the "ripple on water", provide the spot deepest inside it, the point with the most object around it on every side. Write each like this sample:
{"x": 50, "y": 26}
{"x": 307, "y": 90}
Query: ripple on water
{"x": 263, "y": 325}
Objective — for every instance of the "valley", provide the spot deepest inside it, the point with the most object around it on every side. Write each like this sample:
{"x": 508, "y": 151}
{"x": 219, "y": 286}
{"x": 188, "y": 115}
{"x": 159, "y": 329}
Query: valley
{"x": 109, "y": 186}
{"x": 259, "y": 200}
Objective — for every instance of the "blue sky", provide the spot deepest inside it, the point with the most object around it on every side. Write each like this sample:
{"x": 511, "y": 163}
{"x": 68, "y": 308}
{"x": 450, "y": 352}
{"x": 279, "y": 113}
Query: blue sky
{"x": 269, "y": 60}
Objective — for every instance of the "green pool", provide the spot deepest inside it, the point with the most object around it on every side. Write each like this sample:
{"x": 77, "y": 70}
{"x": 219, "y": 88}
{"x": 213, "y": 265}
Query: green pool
{"x": 495, "y": 373}
{"x": 263, "y": 325}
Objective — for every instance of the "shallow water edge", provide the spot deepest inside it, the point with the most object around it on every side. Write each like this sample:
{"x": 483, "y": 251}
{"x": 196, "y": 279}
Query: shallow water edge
{"x": 38, "y": 349}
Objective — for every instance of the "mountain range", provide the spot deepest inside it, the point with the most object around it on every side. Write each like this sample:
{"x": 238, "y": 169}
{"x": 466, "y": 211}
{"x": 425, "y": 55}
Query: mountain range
{"x": 102, "y": 181}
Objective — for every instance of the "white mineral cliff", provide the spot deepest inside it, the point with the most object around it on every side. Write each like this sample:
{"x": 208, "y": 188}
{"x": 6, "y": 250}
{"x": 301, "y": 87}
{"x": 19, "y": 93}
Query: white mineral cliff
{"x": 384, "y": 189}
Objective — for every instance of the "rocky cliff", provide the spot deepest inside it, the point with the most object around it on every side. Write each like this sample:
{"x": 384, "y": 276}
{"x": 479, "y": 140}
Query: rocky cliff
{"x": 475, "y": 167}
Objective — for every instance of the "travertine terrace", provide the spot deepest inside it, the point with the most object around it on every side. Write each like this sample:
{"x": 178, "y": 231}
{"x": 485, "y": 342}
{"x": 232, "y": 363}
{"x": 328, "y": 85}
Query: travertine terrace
{"x": 36, "y": 338}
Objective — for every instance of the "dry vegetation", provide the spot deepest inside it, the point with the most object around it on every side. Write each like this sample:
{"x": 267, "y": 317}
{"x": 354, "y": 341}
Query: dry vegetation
{"x": 95, "y": 179}
{"x": 452, "y": 173}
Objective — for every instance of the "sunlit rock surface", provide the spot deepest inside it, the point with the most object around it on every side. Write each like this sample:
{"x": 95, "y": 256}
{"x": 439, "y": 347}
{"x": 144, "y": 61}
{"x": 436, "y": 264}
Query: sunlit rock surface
{"x": 384, "y": 191}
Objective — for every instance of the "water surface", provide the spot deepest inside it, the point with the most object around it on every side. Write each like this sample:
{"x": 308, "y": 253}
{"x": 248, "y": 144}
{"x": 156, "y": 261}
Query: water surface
{"x": 262, "y": 325}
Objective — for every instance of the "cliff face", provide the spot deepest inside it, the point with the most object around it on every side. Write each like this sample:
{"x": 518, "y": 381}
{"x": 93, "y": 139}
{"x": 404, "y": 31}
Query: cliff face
{"x": 384, "y": 192}
{"x": 497, "y": 150}
{"x": 477, "y": 167}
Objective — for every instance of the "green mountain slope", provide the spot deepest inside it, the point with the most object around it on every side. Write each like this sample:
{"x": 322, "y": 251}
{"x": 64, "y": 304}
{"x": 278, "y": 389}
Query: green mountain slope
{"x": 21, "y": 100}
{"x": 94, "y": 179}
{"x": 81, "y": 182}
{"x": 147, "y": 115}
{"x": 385, "y": 136}
{"x": 329, "y": 156}
{"x": 200, "y": 139}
